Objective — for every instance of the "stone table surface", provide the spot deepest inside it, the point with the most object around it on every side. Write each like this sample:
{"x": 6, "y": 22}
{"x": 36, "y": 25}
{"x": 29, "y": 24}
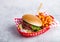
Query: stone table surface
{"x": 9, "y": 9}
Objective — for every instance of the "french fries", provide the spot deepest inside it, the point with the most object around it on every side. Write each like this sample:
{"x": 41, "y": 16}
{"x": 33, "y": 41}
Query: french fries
{"x": 46, "y": 19}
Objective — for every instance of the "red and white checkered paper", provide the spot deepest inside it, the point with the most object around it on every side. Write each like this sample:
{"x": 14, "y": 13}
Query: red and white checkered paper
{"x": 19, "y": 21}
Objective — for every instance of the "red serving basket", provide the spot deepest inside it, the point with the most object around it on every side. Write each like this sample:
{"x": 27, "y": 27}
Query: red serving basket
{"x": 18, "y": 21}
{"x": 26, "y": 34}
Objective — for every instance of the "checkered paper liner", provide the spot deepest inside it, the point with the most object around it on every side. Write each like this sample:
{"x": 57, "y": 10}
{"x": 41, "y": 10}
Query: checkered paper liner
{"x": 18, "y": 21}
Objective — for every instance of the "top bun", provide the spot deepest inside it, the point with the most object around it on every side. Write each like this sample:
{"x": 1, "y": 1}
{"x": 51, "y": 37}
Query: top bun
{"x": 31, "y": 19}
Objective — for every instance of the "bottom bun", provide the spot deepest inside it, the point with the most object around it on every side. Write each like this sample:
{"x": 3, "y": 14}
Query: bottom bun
{"x": 32, "y": 34}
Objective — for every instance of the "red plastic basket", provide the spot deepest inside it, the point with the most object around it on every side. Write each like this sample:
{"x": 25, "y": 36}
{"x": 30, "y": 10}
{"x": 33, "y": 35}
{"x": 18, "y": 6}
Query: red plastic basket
{"x": 18, "y": 21}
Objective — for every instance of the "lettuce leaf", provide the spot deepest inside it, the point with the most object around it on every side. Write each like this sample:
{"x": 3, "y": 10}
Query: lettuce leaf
{"x": 35, "y": 28}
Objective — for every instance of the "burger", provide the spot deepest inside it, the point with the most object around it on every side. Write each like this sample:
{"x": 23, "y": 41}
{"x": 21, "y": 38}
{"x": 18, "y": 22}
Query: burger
{"x": 31, "y": 23}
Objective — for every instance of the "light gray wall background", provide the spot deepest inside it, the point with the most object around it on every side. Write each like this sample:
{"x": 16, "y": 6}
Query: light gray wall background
{"x": 9, "y": 9}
